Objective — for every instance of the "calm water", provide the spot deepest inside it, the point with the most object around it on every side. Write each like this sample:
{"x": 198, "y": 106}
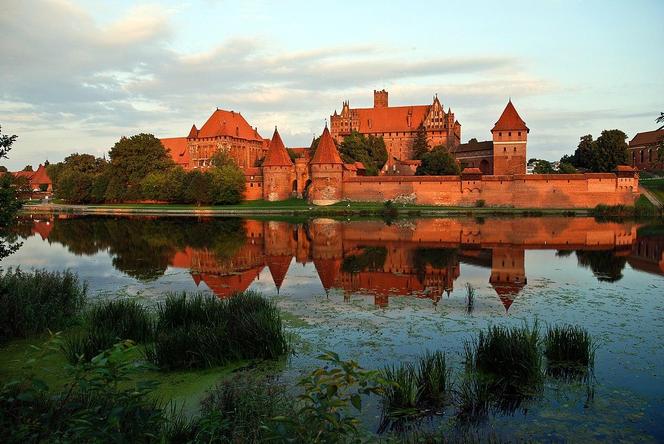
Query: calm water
{"x": 384, "y": 293}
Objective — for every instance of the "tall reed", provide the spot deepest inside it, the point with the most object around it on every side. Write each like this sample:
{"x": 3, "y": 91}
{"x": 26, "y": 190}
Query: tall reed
{"x": 35, "y": 301}
{"x": 569, "y": 351}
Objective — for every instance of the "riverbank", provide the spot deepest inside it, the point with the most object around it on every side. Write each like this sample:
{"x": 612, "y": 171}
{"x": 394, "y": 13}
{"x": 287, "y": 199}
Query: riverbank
{"x": 296, "y": 207}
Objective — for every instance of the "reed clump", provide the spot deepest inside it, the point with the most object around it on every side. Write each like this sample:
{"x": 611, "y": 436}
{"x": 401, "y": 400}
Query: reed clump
{"x": 202, "y": 331}
{"x": 569, "y": 351}
{"x": 33, "y": 302}
{"x": 413, "y": 390}
{"x": 105, "y": 324}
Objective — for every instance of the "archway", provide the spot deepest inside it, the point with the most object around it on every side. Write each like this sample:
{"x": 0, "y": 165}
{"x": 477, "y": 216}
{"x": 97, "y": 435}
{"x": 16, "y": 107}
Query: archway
{"x": 307, "y": 187}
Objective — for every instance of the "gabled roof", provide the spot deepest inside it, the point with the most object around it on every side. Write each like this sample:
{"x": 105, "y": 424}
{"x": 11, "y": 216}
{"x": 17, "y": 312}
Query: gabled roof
{"x": 40, "y": 176}
{"x": 647, "y": 138}
{"x": 391, "y": 119}
{"x": 327, "y": 151}
{"x": 193, "y": 133}
{"x": 276, "y": 153}
{"x": 510, "y": 120}
{"x": 178, "y": 149}
{"x": 228, "y": 123}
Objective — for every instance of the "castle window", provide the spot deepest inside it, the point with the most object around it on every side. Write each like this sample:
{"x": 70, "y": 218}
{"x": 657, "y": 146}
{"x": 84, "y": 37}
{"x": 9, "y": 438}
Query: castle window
{"x": 642, "y": 156}
{"x": 650, "y": 155}
{"x": 504, "y": 149}
{"x": 500, "y": 134}
{"x": 509, "y": 134}
{"x": 515, "y": 149}
{"x": 519, "y": 133}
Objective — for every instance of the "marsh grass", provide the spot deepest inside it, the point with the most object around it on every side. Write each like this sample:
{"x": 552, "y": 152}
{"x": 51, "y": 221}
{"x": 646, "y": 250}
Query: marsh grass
{"x": 200, "y": 331}
{"x": 569, "y": 351}
{"x": 33, "y": 302}
{"x": 416, "y": 389}
{"x": 470, "y": 298}
{"x": 105, "y": 324}
{"x": 503, "y": 369}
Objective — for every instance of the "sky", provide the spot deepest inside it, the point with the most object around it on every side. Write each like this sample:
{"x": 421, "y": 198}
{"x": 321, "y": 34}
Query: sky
{"x": 75, "y": 76}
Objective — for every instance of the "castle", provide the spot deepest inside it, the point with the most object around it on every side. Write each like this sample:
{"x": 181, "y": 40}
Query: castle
{"x": 493, "y": 171}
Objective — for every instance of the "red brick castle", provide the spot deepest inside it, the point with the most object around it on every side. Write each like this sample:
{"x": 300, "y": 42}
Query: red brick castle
{"x": 493, "y": 170}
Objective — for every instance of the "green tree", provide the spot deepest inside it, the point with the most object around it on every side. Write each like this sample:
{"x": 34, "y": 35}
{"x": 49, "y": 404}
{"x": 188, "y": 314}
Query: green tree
{"x": 610, "y": 151}
{"x": 28, "y": 168}
{"x": 221, "y": 158}
{"x": 438, "y": 162}
{"x": 370, "y": 151}
{"x": 198, "y": 189}
{"x": 228, "y": 184}
{"x": 566, "y": 168}
{"x": 154, "y": 186}
{"x": 420, "y": 144}
{"x": 543, "y": 167}
{"x": 176, "y": 179}
{"x": 133, "y": 158}
{"x": 660, "y": 119}
{"x": 74, "y": 187}
{"x": 75, "y": 178}
{"x": 3, "y": 169}
{"x": 9, "y": 205}
{"x": 585, "y": 153}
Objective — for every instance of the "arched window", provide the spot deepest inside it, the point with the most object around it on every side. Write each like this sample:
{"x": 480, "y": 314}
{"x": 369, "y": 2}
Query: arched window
{"x": 642, "y": 155}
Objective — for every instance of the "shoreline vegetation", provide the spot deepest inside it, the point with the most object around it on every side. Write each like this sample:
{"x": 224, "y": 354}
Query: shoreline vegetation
{"x": 105, "y": 394}
{"x": 299, "y": 207}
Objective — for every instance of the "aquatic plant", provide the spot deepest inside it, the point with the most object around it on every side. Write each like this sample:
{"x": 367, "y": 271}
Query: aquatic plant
{"x": 470, "y": 298}
{"x": 33, "y": 302}
{"x": 105, "y": 324}
{"x": 508, "y": 353}
{"x": 202, "y": 331}
{"x": 569, "y": 351}
{"x": 413, "y": 390}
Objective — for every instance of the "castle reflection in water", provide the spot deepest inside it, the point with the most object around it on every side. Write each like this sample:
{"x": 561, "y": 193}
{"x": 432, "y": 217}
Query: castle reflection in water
{"x": 418, "y": 257}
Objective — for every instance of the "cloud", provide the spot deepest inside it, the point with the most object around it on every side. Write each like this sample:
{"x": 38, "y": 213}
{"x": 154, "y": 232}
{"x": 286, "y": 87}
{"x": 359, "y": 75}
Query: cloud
{"x": 83, "y": 84}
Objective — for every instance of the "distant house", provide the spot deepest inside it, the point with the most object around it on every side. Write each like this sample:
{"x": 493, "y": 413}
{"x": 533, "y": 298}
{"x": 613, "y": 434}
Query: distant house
{"x": 38, "y": 180}
{"x": 643, "y": 150}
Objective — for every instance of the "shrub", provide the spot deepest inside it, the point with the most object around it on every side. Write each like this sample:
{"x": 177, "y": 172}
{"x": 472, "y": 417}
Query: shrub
{"x": 105, "y": 324}
{"x": 203, "y": 331}
{"x": 569, "y": 351}
{"x": 35, "y": 301}
{"x": 480, "y": 203}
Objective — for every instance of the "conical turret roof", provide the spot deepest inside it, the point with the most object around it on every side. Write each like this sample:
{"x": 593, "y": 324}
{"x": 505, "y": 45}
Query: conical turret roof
{"x": 327, "y": 151}
{"x": 510, "y": 120}
{"x": 276, "y": 153}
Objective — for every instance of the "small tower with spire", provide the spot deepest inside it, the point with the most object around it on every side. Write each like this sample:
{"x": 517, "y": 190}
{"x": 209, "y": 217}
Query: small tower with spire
{"x": 510, "y": 136}
{"x": 278, "y": 171}
{"x": 326, "y": 172}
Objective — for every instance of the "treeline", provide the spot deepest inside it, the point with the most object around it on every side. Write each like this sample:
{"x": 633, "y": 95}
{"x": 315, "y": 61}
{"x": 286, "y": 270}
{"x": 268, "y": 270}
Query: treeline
{"x": 140, "y": 168}
{"x": 356, "y": 147}
{"x": 601, "y": 155}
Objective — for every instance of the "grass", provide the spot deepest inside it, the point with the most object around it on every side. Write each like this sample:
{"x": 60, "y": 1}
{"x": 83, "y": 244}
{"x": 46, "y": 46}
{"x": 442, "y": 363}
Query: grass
{"x": 641, "y": 208}
{"x": 470, "y": 298}
{"x": 570, "y": 352}
{"x": 33, "y": 302}
{"x": 202, "y": 331}
{"x": 106, "y": 324}
{"x": 416, "y": 389}
{"x": 655, "y": 186}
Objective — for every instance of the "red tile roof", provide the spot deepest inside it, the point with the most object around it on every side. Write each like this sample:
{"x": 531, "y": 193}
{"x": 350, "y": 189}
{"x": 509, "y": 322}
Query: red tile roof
{"x": 647, "y": 138}
{"x": 40, "y": 177}
{"x": 625, "y": 168}
{"x": 327, "y": 151}
{"x": 510, "y": 120}
{"x": 193, "y": 133}
{"x": 228, "y": 123}
{"x": 177, "y": 148}
{"x": 391, "y": 119}
{"x": 276, "y": 153}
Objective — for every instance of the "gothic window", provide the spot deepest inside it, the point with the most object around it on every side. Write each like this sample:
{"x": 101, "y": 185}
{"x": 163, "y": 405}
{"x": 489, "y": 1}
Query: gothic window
{"x": 509, "y": 134}
{"x": 642, "y": 156}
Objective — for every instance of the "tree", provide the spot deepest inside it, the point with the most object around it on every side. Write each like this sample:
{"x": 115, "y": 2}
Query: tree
{"x": 3, "y": 169}
{"x": 133, "y": 158}
{"x": 154, "y": 186}
{"x": 228, "y": 184}
{"x": 420, "y": 144}
{"x": 610, "y": 151}
{"x": 9, "y": 205}
{"x": 198, "y": 189}
{"x": 584, "y": 154}
{"x": 370, "y": 151}
{"x": 78, "y": 179}
{"x": 566, "y": 168}
{"x": 660, "y": 119}
{"x": 221, "y": 158}
{"x": 438, "y": 162}
{"x": 543, "y": 167}
{"x": 28, "y": 168}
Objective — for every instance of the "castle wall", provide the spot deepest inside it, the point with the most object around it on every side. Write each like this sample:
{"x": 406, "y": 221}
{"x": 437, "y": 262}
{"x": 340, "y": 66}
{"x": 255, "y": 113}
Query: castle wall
{"x": 326, "y": 184}
{"x": 519, "y": 191}
{"x": 278, "y": 182}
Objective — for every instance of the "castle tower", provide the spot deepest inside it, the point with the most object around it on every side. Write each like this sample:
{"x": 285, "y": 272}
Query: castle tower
{"x": 278, "y": 171}
{"x": 326, "y": 172}
{"x": 510, "y": 135}
{"x": 380, "y": 99}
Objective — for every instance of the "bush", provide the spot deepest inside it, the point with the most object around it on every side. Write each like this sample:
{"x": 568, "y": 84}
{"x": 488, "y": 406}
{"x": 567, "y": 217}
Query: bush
{"x": 105, "y": 324}
{"x": 480, "y": 203}
{"x": 39, "y": 300}
{"x": 202, "y": 331}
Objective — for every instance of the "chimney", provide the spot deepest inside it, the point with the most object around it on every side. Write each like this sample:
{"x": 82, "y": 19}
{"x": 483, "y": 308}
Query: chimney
{"x": 380, "y": 99}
